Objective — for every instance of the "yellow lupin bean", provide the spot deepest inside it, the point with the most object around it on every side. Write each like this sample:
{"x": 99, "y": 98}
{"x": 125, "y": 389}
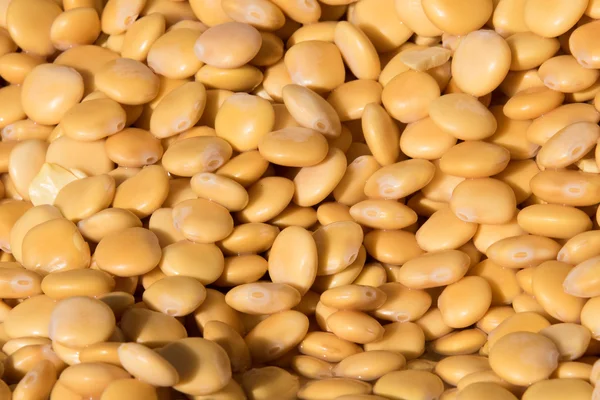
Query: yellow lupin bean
{"x": 474, "y": 73}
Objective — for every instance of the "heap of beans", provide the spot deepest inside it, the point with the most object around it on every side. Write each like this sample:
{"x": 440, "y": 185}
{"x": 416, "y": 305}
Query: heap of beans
{"x": 299, "y": 199}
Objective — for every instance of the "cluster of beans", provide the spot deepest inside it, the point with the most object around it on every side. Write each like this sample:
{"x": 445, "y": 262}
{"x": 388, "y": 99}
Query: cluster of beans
{"x": 299, "y": 199}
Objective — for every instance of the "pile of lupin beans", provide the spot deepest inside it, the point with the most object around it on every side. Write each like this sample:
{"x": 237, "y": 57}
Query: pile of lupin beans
{"x": 299, "y": 199}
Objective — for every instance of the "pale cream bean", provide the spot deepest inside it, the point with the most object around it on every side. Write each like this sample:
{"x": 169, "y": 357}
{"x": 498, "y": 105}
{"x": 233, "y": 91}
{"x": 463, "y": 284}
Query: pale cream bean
{"x": 29, "y": 23}
{"x": 337, "y": 246}
{"x": 383, "y": 214}
{"x": 29, "y": 318}
{"x": 582, "y": 48}
{"x": 588, "y": 316}
{"x": 548, "y": 125}
{"x": 462, "y": 116}
{"x": 253, "y": 237}
{"x": 350, "y": 99}
{"x": 502, "y": 281}
{"x": 345, "y": 277}
{"x": 429, "y": 271}
{"x": 229, "y": 45}
{"x": 130, "y": 252}
{"x": 381, "y": 24}
{"x": 400, "y": 99}
{"x": 127, "y": 81}
{"x": 134, "y": 148}
{"x": 354, "y": 297}
{"x": 147, "y": 365}
{"x": 532, "y": 103}
{"x": 96, "y": 193}
{"x": 89, "y": 157}
{"x": 520, "y": 322}
{"x": 494, "y": 317}
{"x": 431, "y": 237}
{"x": 536, "y": 220}
{"x": 293, "y": 259}
{"x": 24, "y": 162}
{"x": 82, "y": 282}
{"x": 355, "y": 326}
{"x": 175, "y": 295}
{"x": 179, "y": 110}
{"x": 271, "y": 50}
{"x": 580, "y": 248}
{"x": 242, "y": 79}
{"x": 60, "y": 87}
{"x": 118, "y": 15}
{"x": 522, "y": 251}
{"x": 327, "y": 347}
{"x": 529, "y": 50}
{"x": 517, "y": 175}
{"x": 475, "y": 159}
{"x": 506, "y": 357}
{"x": 456, "y": 305}
{"x": 244, "y": 120}
{"x": 313, "y": 184}
{"x": 441, "y": 186}
{"x": 55, "y": 245}
{"x": 357, "y": 50}
{"x": 331, "y": 212}
{"x": 402, "y": 304}
{"x": 409, "y": 383}
{"x": 350, "y": 189}
{"x": 196, "y": 377}
{"x": 399, "y": 180}
{"x": 190, "y": 156}
{"x": 245, "y": 168}
{"x": 552, "y": 22}
{"x": 232, "y": 342}
{"x": 150, "y": 328}
{"x": 276, "y": 335}
{"x": 311, "y": 111}
{"x": 202, "y": 221}
{"x": 141, "y": 35}
{"x": 566, "y": 187}
{"x": 302, "y": 56}
{"x": 267, "y": 198}
{"x": 214, "y": 308}
{"x": 466, "y": 341}
{"x": 93, "y": 120}
{"x": 433, "y": 325}
{"x": 266, "y": 382}
{"x": 294, "y": 147}
{"x": 568, "y": 145}
{"x": 481, "y": 62}
{"x": 381, "y": 134}
{"x": 548, "y": 285}
{"x": 107, "y": 221}
{"x": 571, "y": 339}
{"x": 581, "y": 281}
{"x": 332, "y": 388}
{"x": 67, "y": 327}
{"x": 392, "y": 246}
{"x": 311, "y": 367}
{"x": 258, "y": 13}
{"x": 262, "y": 298}
{"x": 220, "y": 189}
{"x": 453, "y": 369}
{"x": 172, "y": 54}
{"x": 496, "y": 203}
{"x": 413, "y": 16}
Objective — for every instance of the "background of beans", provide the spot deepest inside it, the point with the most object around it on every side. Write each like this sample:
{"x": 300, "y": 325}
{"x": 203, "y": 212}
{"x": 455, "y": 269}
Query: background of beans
{"x": 299, "y": 199}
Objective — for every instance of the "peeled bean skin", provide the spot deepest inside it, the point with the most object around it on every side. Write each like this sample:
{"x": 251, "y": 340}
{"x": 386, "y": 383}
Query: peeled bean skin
{"x": 299, "y": 200}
